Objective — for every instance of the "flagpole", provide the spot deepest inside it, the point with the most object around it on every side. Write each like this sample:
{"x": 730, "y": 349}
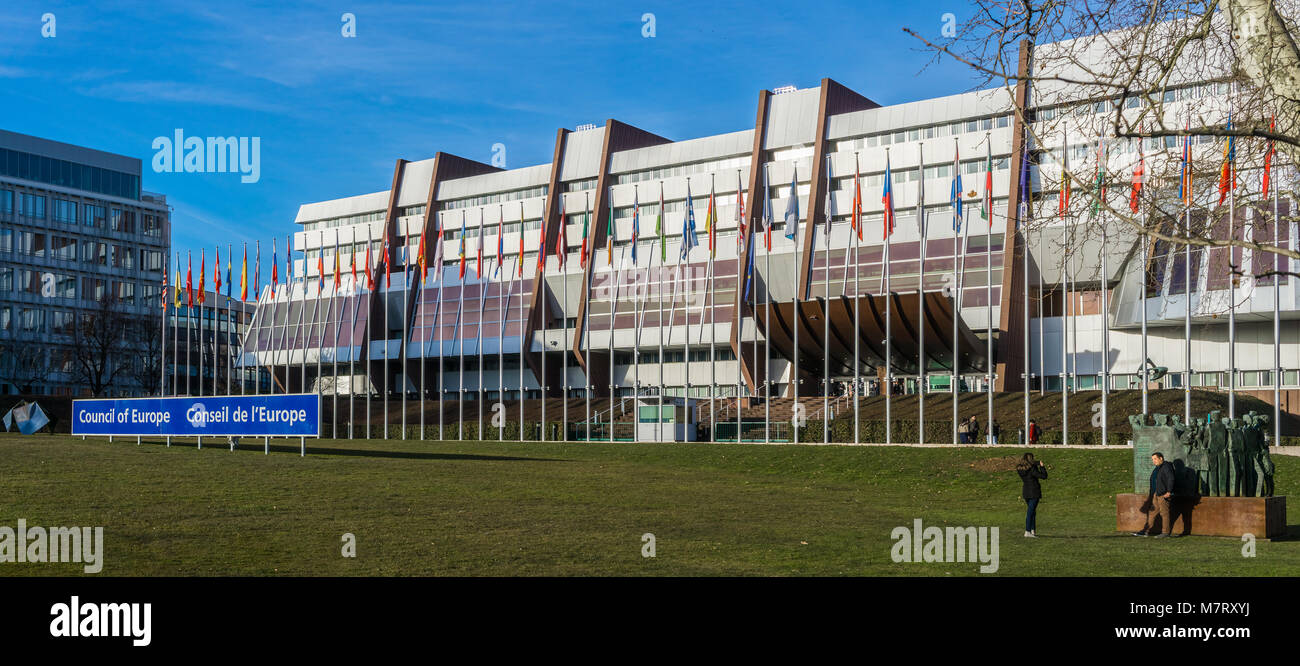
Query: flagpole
{"x": 1105, "y": 337}
{"x": 352, "y": 330}
{"x": 611, "y": 227}
{"x": 175, "y": 338}
{"x": 792, "y": 234}
{"x": 406, "y": 315}
{"x": 888, "y": 294}
{"x": 521, "y": 329}
{"x": 826, "y": 312}
{"x": 424, "y": 335}
{"x": 743, "y": 240}
{"x": 659, "y": 323}
{"x": 1232, "y": 302}
{"x": 460, "y": 337}
{"x": 1184, "y": 187}
{"x": 636, "y": 312}
{"x": 857, "y": 326}
{"x": 713, "y": 326}
{"x": 479, "y": 393}
{"x": 959, "y": 257}
{"x": 990, "y": 368}
{"x": 1021, "y": 213}
{"x": 202, "y": 343}
{"x": 162, "y": 334}
{"x": 439, "y": 276}
{"x": 229, "y": 338}
{"x": 388, "y": 288}
{"x": 370, "y": 301}
{"x": 1065, "y": 323}
{"x": 502, "y": 305}
{"x": 1277, "y": 325}
{"x": 334, "y": 354}
{"x": 586, "y": 316}
{"x": 920, "y": 296}
{"x": 544, "y": 309}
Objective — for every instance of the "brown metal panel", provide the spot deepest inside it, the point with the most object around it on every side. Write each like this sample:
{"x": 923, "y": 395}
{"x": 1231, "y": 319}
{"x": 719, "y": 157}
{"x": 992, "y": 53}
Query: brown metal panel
{"x": 1011, "y": 364}
{"x": 539, "y": 308}
{"x": 752, "y": 215}
{"x": 390, "y": 227}
{"x": 618, "y": 136}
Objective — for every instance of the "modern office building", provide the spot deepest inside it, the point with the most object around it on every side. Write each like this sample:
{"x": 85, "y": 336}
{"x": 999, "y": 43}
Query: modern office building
{"x": 79, "y": 239}
{"x": 643, "y": 316}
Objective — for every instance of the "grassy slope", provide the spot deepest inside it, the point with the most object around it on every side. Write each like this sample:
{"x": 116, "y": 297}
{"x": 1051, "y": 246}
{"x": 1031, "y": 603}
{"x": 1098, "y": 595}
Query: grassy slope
{"x": 426, "y": 508}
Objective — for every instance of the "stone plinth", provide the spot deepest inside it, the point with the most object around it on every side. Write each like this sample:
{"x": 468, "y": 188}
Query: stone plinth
{"x": 1264, "y": 517}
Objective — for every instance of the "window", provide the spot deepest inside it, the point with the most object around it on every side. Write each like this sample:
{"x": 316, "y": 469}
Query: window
{"x": 6, "y": 240}
{"x": 63, "y": 249}
{"x": 65, "y": 211}
{"x": 31, "y": 320}
{"x": 33, "y": 206}
{"x": 6, "y": 202}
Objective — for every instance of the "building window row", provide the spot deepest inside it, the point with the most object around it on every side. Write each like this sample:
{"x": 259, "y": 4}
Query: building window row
{"x": 18, "y": 164}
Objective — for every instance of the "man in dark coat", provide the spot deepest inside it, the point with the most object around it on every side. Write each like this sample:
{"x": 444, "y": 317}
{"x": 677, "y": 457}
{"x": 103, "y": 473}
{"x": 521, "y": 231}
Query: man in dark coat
{"x": 1163, "y": 492}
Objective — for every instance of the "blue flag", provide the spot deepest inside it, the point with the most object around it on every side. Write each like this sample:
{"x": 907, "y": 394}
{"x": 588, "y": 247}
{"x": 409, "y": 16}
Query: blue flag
{"x": 792, "y": 210}
{"x": 955, "y": 197}
{"x": 688, "y": 225}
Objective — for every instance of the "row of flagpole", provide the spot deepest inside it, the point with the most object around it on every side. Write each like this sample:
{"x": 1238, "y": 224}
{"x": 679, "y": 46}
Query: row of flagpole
{"x": 412, "y": 311}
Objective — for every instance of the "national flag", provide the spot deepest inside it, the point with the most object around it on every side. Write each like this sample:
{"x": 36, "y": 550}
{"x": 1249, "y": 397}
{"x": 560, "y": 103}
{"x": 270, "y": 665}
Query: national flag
{"x": 164, "y": 285}
{"x": 419, "y": 259}
{"x": 610, "y": 232}
{"x": 439, "y": 249}
{"x": 749, "y": 271}
{"x": 501, "y": 239}
{"x": 541, "y": 243}
{"x": 986, "y": 206}
{"x": 887, "y": 198}
{"x": 337, "y": 268}
{"x": 203, "y": 272}
{"x": 370, "y": 266}
{"x": 955, "y": 196}
{"x": 767, "y": 214}
{"x": 216, "y": 270}
{"x": 176, "y": 284}
{"x": 562, "y": 238}
{"x": 478, "y": 270}
{"x": 461, "y": 251}
{"x": 1185, "y": 170}
{"x": 1268, "y": 157}
{"x": 856, "y": 217}
{"x": 257, "y": 268}
{"x": 792, "y": 209}
{"x": 352, "y": 260}
{"x": 742, "y": 225}
{"x": 582, "y": 253}
{"x": 659, "y": 227}
{"x": 189, "y": 284}
{"x": 520, "y": 263}
{"x": 288, "y": 260}
{"x": 1099, "y": 184}
{"x": 387, "y": 261}
{"x": 711, "y": 224}
{"x": 229, "y": 254}
{"x": 243, "y": 276}
{"x": 688, "y": 225}
{"x": 275, "y": 266}
{"x": 320, "y": 265}
{"x": 1023, "y": 217}
{"x": 636, "y": 223}
{"x": 1227, "y": 171}
{"x": 1063, "y": 197}
{"x": 1136, "y": 195}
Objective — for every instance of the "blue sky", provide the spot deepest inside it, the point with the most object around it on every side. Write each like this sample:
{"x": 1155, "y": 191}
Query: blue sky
{"x": 334, "y": 113}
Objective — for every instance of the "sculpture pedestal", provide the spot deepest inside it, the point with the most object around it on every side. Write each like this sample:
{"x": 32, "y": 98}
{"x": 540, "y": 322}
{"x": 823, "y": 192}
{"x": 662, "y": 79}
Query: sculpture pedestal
{"x": 1264, "y": 517}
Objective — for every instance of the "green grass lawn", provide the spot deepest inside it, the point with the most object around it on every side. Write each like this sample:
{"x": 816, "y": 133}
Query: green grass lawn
{"x": 472, "y": 508}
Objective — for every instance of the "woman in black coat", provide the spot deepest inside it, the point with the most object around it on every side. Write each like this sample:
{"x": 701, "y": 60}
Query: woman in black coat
{"x": 1030, "y": 471}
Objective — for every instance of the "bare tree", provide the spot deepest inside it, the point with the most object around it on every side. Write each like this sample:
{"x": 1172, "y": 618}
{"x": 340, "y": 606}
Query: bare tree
{"x": 1145, "y": 76}
{"x": 23, "y": 364}
{"x": 102, "y": 346}
{"x": 144, "y": 367}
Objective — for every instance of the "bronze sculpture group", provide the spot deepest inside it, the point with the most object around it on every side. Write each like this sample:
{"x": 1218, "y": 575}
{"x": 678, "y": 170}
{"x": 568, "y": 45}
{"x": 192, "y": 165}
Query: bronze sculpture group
{"x": 1229, "y": 457}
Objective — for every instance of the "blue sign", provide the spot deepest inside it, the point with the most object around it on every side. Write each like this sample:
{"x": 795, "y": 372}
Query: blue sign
{"x": 294, "y": 415}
